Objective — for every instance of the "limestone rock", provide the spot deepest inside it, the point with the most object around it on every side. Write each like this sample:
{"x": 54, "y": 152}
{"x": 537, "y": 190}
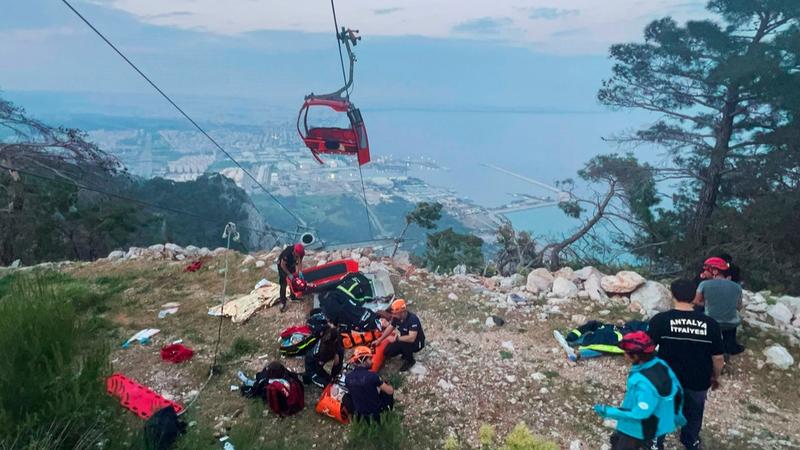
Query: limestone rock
{"x": 452, "y": 296}
{"x": 157, "y": 248}
{"x": 623, "y": 282}
{"x": 780, "y": 313}
{"x": 653, "y": 297}
{"x": 249, "y": 259}
{"x": 260, "y": 263}
{"x": 566, "y": 272}
{"x": 588, "y": 272}
{"x": 539, "y": 280}
{"x": 15, "y": 264}
{"x": 116, "y": 254}
{"x": 173, "y": 248}
{"x": 512, "y": 281}
{"x": 564, "y": 288}
{"x": 778, "y": 357}
{"x": 793, "y": 303}
{"x": 594, "y": 289}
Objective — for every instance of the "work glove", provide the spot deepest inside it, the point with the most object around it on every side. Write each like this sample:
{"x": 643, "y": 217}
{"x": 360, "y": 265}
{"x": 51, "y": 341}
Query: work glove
{"x": 600, "y": 410}
{"x": 300, "y": 274}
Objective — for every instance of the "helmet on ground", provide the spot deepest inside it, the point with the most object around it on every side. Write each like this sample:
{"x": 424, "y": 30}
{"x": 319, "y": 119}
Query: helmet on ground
{"x": 716, "y": 262}
{"x": 398, "y": 306}
{"x": 300, "y": 249}
{"x": 637, "y": 342}
{"x": 360, "y": 353}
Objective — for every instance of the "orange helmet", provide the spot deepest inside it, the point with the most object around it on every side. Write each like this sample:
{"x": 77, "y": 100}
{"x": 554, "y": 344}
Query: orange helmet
{"x": 398, "y": 306}
{"x": 360, "y": 352}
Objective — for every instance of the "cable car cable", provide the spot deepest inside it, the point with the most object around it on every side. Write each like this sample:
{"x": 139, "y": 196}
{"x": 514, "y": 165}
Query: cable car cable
{"x": 347, "y": 95}
{"x": 175, "y": 105}
{"x": 339, "y": 46}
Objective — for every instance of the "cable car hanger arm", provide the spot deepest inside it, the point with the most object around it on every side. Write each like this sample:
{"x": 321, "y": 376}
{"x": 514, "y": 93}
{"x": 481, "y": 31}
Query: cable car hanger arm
{"x": 348, "y": 37}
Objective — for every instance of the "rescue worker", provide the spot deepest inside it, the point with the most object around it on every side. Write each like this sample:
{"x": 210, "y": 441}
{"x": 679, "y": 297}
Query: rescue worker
{"x": 290, "y": 264}
{"x": 653, "y": 401}
{"x": 369, "y": 394}
{"x": 722, "y": 300}
{"x": 406, "y": 333}
{"x": 327, "y": 348}
{"x": 691, "y": 343}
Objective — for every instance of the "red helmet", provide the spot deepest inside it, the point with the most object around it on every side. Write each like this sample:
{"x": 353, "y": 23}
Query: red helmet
{"x": 716, "y": 262}
{"x": 299, "y": 249}
{"x": 637, "y": 342}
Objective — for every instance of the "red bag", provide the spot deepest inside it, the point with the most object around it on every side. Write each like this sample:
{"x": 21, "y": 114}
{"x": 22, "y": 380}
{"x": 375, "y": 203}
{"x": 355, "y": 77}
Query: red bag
{"x": 176, "y": 353}
{"x": 285, "y": 393}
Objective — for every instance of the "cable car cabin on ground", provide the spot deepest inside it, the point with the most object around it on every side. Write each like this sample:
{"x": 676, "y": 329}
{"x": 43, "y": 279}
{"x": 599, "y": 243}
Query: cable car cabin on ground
{"x": 334, "y": 140}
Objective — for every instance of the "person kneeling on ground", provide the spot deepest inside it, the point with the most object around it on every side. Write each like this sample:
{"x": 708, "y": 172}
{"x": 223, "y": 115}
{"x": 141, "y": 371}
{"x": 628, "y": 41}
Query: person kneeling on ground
{"x": 653, "y": 398}
{"x": 370, "y": 395}
{"x": 328, "y": 348}
{"x": 691, "y": 343}
{"x": 409, "y": 337}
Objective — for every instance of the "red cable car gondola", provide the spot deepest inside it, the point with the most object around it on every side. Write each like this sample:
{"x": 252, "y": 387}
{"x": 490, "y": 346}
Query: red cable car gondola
{"x": 335, "y": 140}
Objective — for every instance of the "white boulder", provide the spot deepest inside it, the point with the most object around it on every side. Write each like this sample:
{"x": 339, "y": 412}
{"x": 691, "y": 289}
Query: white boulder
{"x": 174, "y": 248}
{"x": 157, "y": 248}
{"x": 249, "y": 259}
{"x": 588, "y": 272}
{"x": 793, "y": 303}
{"x": 116, "y": 254}
{"x": 653, "y": 297}
{"x": 594, "y": 289}
{"x": 512, "y": 281}
{"x": 623, "y": 282}
{"x": 780, "y": 313}
{"x": 539, "y": 280}
{"x": 778, "y": 357}
{"x": 565, "y": 272}
{"x": 564, "y": 288}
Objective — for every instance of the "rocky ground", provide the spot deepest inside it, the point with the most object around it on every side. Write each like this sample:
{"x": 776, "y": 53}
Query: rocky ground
{"x": 474, "y": 370}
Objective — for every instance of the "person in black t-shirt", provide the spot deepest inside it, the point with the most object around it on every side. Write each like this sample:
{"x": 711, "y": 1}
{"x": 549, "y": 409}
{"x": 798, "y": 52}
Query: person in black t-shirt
{"x": 290, "y": 263}
{"x": 691, "y": 343}
{"x": 409, "y": 337}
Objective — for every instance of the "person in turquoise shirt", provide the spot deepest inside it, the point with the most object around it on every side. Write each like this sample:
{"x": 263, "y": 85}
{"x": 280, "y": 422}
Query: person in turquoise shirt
{"x": 653, "y": 402}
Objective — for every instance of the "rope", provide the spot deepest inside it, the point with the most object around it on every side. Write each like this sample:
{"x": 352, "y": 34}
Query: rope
{"x": 366, "y": 205}
{"x": 230, "y": 232}
{"x": 175, "y": 105}
{"x": 339, "y": 46}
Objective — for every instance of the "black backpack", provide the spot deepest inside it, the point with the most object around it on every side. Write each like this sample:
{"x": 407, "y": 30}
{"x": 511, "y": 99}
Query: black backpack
{"x": 162, "y": 429}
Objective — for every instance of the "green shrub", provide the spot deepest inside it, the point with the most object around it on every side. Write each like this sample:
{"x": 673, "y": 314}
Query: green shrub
{"x": 52, "y": 370}
{"x": 386, "y": 435}
{"x": 451, "y": 443}
{"x": 486, "y": 435}
{"x": 521, "y": 438}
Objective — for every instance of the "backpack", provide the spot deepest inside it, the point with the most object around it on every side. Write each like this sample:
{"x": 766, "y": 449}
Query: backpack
{"x": 284, "y": 391}
{"x": 162, "y": 429}
{"x": 296, "y": 340}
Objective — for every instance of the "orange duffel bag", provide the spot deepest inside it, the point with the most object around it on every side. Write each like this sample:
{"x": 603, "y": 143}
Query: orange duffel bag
{"x": 331, "y": 403}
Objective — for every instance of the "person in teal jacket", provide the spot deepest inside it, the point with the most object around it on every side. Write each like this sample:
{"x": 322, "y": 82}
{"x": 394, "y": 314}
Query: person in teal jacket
{"x": 653, "y": 402}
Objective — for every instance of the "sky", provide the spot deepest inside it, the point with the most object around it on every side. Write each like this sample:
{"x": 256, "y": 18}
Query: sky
{"x": 512, "y": 82}
{"x": 423, "y": 53}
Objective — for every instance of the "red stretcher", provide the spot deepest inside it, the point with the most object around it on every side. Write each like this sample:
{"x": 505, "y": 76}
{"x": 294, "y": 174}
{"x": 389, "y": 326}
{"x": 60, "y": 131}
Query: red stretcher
{"x": 318, "y": 277}
{"x": 141, "y": 400}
